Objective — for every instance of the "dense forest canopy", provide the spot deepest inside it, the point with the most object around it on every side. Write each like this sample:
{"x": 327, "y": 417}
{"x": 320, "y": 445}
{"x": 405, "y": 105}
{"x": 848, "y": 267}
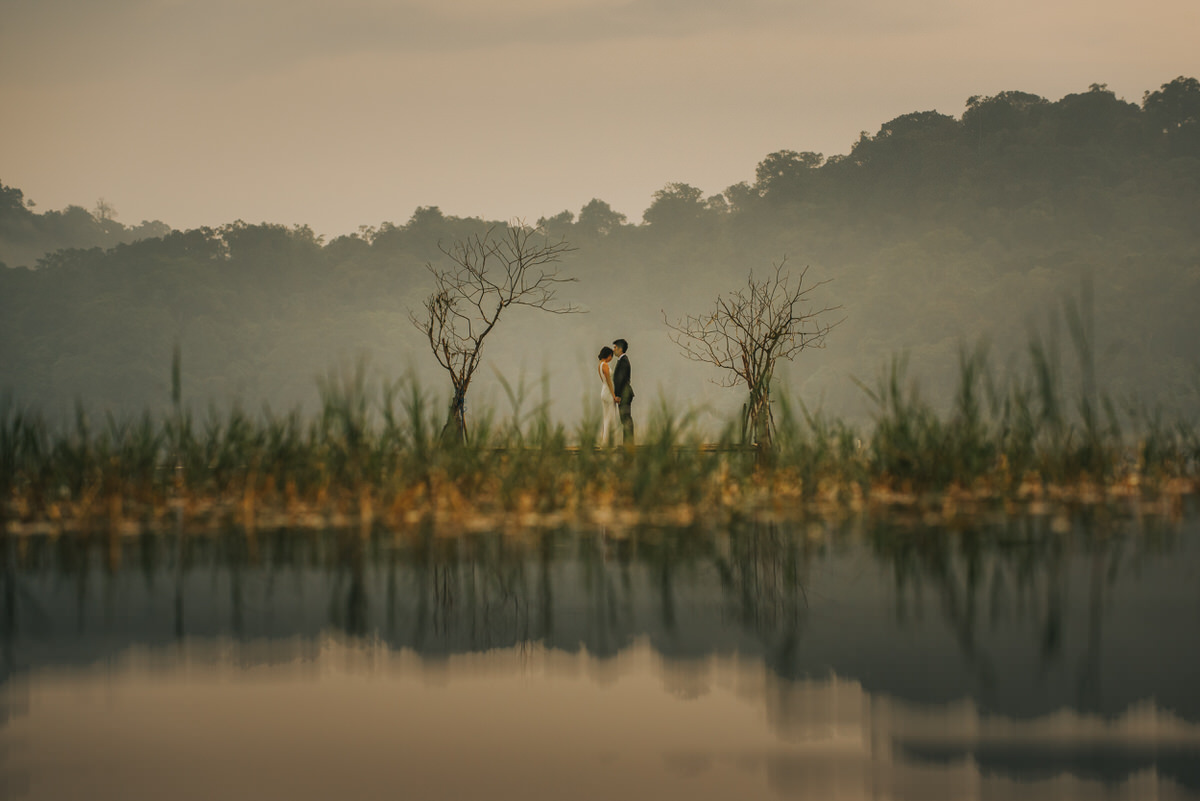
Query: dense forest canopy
{"x": 935, "y": 231}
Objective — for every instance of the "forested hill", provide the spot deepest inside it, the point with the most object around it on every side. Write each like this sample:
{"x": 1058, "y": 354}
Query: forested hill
{"x": 26, "y": 235}
{"x": 933, "y": 231}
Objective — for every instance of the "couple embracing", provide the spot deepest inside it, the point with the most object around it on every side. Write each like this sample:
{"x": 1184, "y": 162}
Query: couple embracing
{"x": 616, "y": 393}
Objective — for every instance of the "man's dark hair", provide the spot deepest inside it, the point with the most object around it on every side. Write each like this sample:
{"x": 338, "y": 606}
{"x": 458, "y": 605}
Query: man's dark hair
{"x": 622, "y": 344}
{"x": 605, "y": 352}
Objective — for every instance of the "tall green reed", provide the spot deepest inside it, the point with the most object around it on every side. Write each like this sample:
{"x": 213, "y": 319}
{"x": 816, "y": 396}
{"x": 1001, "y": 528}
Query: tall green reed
{"x": 818, "y": 448}
{"x": 530, "y": 452}
{"x": 670, "y": 467}
{"x": 24, "y": 447}
{"x": 1001, "y": 428}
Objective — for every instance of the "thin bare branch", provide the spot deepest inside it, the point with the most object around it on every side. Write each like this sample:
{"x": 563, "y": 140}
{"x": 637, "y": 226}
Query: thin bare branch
{"x": 750, "y": 329}
{"x": 486, "y": 274}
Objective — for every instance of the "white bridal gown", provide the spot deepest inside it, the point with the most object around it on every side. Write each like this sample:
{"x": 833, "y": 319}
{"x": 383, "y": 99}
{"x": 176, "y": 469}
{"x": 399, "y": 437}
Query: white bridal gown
{"x": 608, "y": 410}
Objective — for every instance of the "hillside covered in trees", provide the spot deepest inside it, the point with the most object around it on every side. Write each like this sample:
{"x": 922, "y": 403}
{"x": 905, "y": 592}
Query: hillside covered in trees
{"x": 932, "y": 231}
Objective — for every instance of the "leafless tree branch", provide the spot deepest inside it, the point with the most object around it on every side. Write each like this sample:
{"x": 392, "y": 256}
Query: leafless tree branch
{"x": 512, "y": 265}
{"x": 749, "y": 330}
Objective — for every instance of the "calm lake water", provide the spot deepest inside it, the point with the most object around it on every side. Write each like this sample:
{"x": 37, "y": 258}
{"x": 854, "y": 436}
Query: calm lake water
{"x": 856, "y": 661}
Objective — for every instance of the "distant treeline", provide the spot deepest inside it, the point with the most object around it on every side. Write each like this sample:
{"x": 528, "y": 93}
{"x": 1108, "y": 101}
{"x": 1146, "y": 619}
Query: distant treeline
{"x": 26, "y": 236}
{"x": 934, "y": 230}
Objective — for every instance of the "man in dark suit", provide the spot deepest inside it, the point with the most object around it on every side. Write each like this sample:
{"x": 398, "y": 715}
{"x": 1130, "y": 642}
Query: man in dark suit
{"x": 623, "y": 390}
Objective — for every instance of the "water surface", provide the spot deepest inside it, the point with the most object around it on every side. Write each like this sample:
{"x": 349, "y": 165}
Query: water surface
{"x": 810, "y": 661}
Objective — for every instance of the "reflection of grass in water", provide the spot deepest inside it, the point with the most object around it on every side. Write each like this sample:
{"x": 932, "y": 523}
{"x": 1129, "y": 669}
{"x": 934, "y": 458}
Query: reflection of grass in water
{"x": 1006, "y": 439}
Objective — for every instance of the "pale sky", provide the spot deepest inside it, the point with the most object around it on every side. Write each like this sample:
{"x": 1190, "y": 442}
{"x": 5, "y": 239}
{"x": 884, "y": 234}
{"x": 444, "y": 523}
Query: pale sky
{"x": 348, "y": 113}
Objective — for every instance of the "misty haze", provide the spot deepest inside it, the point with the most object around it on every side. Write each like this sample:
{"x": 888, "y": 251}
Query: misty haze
{"x": 932, "y": 234}
{"x": 579, "y": 399}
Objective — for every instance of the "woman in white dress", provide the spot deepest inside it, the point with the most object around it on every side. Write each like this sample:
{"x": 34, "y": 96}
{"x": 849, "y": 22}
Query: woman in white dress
{"x": 608, "y": 405}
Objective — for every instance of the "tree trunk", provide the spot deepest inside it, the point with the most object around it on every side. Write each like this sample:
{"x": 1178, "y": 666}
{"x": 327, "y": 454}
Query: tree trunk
{"x": 455, "y": 430}
{"x": 761, "y": 422}
{"x": 757, "y": 423}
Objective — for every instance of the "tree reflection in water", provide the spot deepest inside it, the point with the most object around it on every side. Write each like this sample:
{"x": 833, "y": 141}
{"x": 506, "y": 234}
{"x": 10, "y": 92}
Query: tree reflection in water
{"x": 762, "y": 577}
{"x": 945, "y": 645}
{"x": 1057, "y": 586}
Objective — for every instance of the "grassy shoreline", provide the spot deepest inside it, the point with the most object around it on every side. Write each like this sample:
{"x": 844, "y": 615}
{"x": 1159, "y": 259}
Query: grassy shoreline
{"x": 1005, "y": 448}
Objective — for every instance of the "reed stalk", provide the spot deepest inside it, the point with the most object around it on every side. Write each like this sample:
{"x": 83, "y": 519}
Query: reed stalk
{"x": 367, "y": 453}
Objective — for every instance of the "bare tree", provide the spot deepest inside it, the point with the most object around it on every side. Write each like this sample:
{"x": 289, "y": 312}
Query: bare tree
{"x": 104, "y": 211}
{"x": 513, "y": 265}
{"x": 748, "y": 331}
